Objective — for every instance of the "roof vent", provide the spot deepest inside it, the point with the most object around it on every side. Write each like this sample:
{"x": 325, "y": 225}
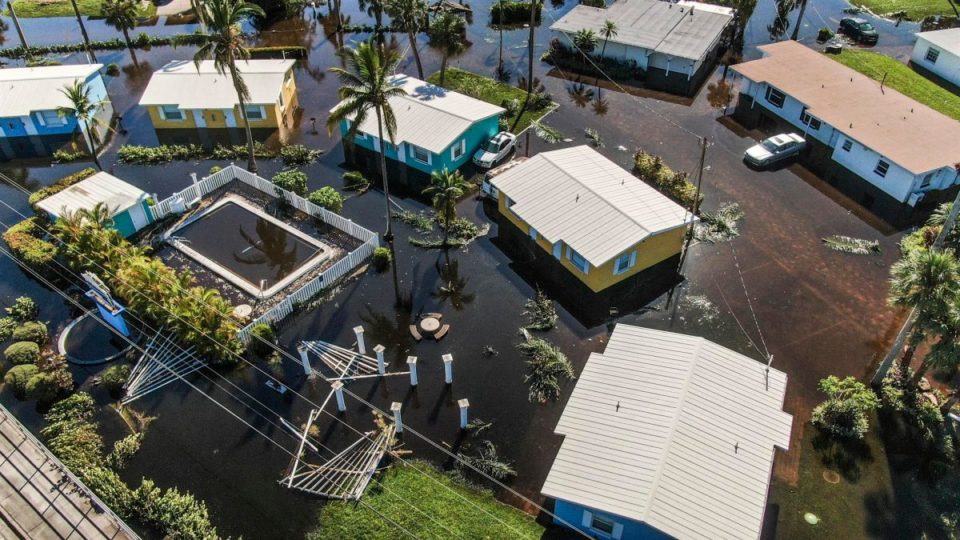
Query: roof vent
{"x": 851, "y": 124}
{"x": 578, "y": 198}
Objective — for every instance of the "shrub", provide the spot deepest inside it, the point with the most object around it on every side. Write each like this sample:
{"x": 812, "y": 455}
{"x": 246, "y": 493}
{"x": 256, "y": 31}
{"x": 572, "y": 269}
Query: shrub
{"x": 844, "y": 413}
{"x": 25, "y": 243}
{"x": 565, "y": 57}
{"x": 291, "y": 180}
{"x": 113, "y": 70}
{"x": 42, "y": 387}
{"x": 328, "y": 198}
{"x": 7, "y": 324}
{"x": 23, "y": 309}
{"x": 22, "y": 352}
{"x": 382, "y": 258}
{"x": 135, "y": 154}
{"x": 824, "y": 34}
{"x": 60, "y": 185}
{"x": 674, "y": 184}
{"x": 215, "y": 169}
{"x": 124, "y": 450}
{"x": 512, "y": 12}
{"x": 355, "y": 180}
{"x": 298, "y": 154}
{"x": 284, "y": 51}
{"x": 262, "y": 336}
{"x": 65, "y": 156}
{"x": 114, "y": 377}
{"x": 18, "y": 376}
{"x": 34, "y": 331}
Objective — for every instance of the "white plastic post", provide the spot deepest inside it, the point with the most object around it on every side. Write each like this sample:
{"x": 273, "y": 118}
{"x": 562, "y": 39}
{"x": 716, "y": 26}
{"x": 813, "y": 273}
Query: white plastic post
{"x": 412, "y": 366}
{"x": 361, "y": 346}
{"x": 381, "y": 364}
{"x": 397, "y": 419}
{"x": 464, "y": 412}
{"x": 338, "y": 390}
{"x": 305, "y": 360}
{"x": 448, "y": 368}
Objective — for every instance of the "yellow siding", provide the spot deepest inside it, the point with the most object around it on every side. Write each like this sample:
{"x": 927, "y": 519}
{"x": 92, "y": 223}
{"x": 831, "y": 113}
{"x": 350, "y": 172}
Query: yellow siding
{"x": 650, "y": 251}
{"x": 159, "y": 123}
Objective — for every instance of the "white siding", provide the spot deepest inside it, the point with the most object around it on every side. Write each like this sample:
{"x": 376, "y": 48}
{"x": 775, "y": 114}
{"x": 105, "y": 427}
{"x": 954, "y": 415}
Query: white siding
{"x": 946, "y": 66}
{"x": 898, "y": 182}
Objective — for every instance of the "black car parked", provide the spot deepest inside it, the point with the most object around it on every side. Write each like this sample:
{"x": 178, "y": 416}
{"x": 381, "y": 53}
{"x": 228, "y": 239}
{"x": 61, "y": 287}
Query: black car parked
{"x": 859, "y": 30}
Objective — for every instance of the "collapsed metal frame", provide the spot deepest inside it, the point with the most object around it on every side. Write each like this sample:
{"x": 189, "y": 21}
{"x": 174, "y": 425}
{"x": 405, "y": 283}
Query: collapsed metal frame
{"x": 163, "y": 361}
{"x": 347, "y": 364}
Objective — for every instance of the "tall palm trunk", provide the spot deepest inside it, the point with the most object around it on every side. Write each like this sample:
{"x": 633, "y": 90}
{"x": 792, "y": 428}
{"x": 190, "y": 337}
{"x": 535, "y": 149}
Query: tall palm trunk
{"x": 443, "y": 68}
{"x": 416, "y": 54}
{"x": 446, "y": 223}
{"x": 133, "y": 55}
{"x": 533, "y": 18}
{"x": 83, "y": 31}
{"x": 796, "y": 29}
{"x": 251, "y": 158}
{"x": 16, "y": 24}
{"x": 383, "y": 174}
{"x": 88, "y": 138}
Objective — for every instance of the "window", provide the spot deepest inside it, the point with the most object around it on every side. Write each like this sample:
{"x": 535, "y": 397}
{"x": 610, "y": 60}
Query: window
{"x": 577, "y": 260}
{"x": 509, "y": 202}
{"x": 171, "y": 112}
{"x": 420, "y": 154}
{"x": 51, "y": 118}
{"x": 533, "y": 233}
{"x": 882, "y": 168}
{"x": 458, "y": 150}
{"x": 808, "y": 120}
{"x": 847, "y": 145}
{"x": 926, "y": 181}
{"x": 255, "y": 112}
{"x": 624, "y": 263}
{"x": 602, "y": 525}
{"x": 282, "y": 104}
{"x": 932, "y": 55}
{"x": 775, "y": 97}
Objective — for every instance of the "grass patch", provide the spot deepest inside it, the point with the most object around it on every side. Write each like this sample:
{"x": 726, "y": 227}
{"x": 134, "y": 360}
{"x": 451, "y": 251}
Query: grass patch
{"x": 916, "y": 9}
{"x": 902, "y": 79}
{"x": 435, "y": 494}
{"x": 62, "y": 8}
{"x": 491, "y": 91}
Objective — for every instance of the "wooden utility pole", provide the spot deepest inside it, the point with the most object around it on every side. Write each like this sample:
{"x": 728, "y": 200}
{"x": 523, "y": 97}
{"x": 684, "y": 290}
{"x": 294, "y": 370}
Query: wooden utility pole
{"x": 696, "y": 205}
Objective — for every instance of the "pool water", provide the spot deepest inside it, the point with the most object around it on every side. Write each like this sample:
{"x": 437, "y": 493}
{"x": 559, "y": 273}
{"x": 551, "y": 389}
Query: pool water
{"x": 254, "y": 248}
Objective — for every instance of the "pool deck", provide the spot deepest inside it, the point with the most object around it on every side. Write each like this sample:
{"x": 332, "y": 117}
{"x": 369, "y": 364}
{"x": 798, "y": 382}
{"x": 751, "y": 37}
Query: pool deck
{"x": 40, "y": 500}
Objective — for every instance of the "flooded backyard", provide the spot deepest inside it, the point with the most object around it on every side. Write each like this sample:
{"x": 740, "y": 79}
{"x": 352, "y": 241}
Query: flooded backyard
{"x": 776, "y": 290}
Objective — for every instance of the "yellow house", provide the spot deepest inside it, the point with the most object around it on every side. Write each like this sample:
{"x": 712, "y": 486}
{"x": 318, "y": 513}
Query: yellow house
{"x": 181, "y": 95}
{"x": 601, "y": 223}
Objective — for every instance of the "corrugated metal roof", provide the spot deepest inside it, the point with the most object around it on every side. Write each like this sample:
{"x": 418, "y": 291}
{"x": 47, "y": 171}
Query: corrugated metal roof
{"x": 948, "y": 39}
{"x": 85, "y": 194}
{"x": 672, "y": 430}
{"x": 430, "y": 116}
{"x": 180, "y": 83}
{"x": 679, "y": 31}
{"x": 589, "y": 202}
{"x": 23, "y": 90}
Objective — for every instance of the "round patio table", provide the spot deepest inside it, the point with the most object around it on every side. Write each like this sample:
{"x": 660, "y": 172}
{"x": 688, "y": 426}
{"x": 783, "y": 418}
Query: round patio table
{"x": 243, "y": 311}
{"x": 430, "y": 325}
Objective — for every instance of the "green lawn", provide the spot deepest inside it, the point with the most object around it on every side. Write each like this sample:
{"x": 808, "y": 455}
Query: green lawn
{"x": 916, "y": 9}
{"x": 901, "y": 78}
{"x": 454, "y": 510}
{"x": 62, "y": 8}
{"x": 489, "y": 90}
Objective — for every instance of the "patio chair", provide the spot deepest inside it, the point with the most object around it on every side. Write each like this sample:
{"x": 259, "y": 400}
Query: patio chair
{"x": 442, "y": 332}
{"x": 415, "y": 333}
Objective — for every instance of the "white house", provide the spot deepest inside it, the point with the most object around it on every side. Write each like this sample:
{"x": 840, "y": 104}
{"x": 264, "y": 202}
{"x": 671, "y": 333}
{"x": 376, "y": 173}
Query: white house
{"x": 858, "y": 130}
{"x": 668, "y": 436}
{"x": 938, "y": 52}
{"x": 673, "y": 43}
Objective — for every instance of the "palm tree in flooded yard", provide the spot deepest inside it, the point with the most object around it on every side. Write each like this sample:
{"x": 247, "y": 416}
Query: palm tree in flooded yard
{"x": 446, "y": 188}
{"x": 407, "y": 15}
{"x": 223, "y": 42}
{"x": 83, "y": 31}
{"x": 85, "y": 109}
{"x": 447, "y": 34}
{"x": 122, "y": 15}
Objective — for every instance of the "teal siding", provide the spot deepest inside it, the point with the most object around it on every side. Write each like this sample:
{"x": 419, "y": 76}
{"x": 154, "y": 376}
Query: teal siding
{"x": 123, "y": 223}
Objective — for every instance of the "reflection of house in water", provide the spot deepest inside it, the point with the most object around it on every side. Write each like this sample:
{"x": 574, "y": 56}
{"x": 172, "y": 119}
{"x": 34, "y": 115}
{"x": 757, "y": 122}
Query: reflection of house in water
{"x": 29, "y": 98}
{"x": 188, "y": 104}
{"x": 590, "y": 230}
{"x": 882, "y": 148}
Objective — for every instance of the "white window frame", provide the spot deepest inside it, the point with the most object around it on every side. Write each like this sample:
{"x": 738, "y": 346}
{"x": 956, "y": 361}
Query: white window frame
{"x": 628, "y": 259}
{"x": 588, "y": 520}
{"x": 260, "y": 111}
{"x": 770, "y": 92}
{"x": 882, "y": 168}
{"x": 458, "y": 150}
{"x": 179, "y": 111}
{"x": 57, "y": 121}
{"x": 932, "y": 55}
{"x": 847, "y": 145}
{"x": 573, "y": 255}
{"x": 413, "y": 154}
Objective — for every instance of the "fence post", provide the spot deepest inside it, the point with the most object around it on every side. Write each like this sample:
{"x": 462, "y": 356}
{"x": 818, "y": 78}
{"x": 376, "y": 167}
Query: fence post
{"x": 464, "y": 412}
{"x": 381, "y": 364}
{"x": 307, "y": 370}
{"x": 397, "y": 418}
{"x": 338, "y": 390}
{"x": 361, "y": 346}
{"x": 412, "y": 366}
{"x": 448, "y": 368}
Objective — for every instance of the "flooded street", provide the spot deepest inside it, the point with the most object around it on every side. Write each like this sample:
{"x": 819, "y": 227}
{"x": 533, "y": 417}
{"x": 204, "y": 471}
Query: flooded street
{"x": 775, "y": 290}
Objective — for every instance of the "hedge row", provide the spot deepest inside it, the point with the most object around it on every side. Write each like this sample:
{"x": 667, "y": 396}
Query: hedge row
{"x": 294, "y": 154}
{"x": 141, "y": 41}
{"x": 674, "y": 184}
{"x": 60, "y": 185}
{"x": 24, "y": 240}
{"x": 512, "y": 12}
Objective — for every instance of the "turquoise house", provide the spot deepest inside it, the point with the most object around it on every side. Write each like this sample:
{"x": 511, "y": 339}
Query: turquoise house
{"x": 29, "y": 123}
{"x": 436, "y": 128}
{"x": 129, "y": 206}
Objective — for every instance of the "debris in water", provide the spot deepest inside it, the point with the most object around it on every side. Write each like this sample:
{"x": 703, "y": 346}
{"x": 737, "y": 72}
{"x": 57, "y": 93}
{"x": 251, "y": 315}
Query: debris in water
{"x": 857, "y": 246}
{"x": 720, "y": 226}
{"x": 593, "y": 137}
{"x": 701, "y": 307}
{"x": 621, "y": 148}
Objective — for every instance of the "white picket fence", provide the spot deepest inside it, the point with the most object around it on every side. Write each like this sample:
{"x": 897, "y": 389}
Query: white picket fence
{"x": 285, "y": 307}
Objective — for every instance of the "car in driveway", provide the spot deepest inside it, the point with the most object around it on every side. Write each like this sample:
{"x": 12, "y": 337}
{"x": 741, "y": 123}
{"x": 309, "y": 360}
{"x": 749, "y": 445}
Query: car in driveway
{"x": 495, "y": 150}
{"x": 774, "y": 150}
{"x": 859, "y": 30}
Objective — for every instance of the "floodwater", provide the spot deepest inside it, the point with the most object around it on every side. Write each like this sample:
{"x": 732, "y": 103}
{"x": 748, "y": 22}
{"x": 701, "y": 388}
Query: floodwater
{"x": 775, "y": 290}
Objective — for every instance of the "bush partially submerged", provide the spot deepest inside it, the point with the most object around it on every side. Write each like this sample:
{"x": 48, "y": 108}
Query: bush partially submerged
{"x": 844, "y": 413}
{"x": 25, "y": 241}
{"x": 382, "y": 258}
{"x": 24, "y": 309}
{"x": 34, "y": 331}
{"x": 327, "y": 197}
{"x": 674, "y": 184}
{"x": 547, "y": 368}
{"x": 17, "y": 378}
{"x": 541, "y": 312}
{"x": 291, "y": 180}
{"x": 262, "y": 338}
{"x": 22, "y": 352}
{"x": 298, "y": 155}
{"x": 114, "y": 377}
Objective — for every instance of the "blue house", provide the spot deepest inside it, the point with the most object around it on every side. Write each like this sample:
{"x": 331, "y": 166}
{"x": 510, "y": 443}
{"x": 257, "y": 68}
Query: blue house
{"x": 29, "y": 98}
{"x": 668, "y": 436}
{"x": 436, "y": 128}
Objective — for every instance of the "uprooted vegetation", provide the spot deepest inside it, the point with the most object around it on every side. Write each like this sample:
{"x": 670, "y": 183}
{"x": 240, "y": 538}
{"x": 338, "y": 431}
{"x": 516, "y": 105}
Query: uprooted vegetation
{"x": 547, "y": 368}
{"x": 541, "y": 312}
{"x": 720, "y": 226}
{"x": 462, "y": 231}
{"x": 857, "y": 246}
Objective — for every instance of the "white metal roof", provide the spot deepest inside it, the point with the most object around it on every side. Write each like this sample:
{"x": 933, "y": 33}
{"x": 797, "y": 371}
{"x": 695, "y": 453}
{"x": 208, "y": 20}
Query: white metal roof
{"x": 430, "y": 116}
{"x": 85, "y": 194}
{"x": 23, "y": 90}
{"x": 948, "y": 40}
{"x": 674, "y": 431}
{"x": 182, "y": 84}
{"x": 589, "y": 202}
{"x": 676, "y": 30}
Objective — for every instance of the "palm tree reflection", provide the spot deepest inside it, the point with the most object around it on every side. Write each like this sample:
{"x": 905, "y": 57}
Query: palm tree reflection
{"x": 270, "y": 246}
{"x": 580, "y": 94}
{"x": 452, "y": 285}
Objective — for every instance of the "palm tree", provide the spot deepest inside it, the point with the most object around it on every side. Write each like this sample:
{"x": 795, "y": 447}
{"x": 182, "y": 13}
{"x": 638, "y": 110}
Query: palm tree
{"x": 223, "y": 43}
{"x": 608, "y": 31}
{"x": 796, "y": 29}
{"x": 373, "y": 8}
{"x": 16, "y": 24}
{"x": 83, "y": 31}
{"x": 122, "y": 15}
{"x": 585, "y": 40}
{"x": 365, "y": 85}
{"x": 446, "y": 33}
{"x": 84, "y": 108}
{"x": 406, "y": 15}
{"x": 445, "y": 190}
{"x": 530, "y": 40}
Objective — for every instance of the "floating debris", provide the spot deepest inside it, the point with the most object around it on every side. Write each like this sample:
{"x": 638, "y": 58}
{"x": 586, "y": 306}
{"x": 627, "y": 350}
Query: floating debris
{"x": 701, "y": 307}
{"x": 857, "y": 246}
{"x": 593, "y": 137}
{"x": 720, "y": 226}
{"x": 621, "y": 148}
